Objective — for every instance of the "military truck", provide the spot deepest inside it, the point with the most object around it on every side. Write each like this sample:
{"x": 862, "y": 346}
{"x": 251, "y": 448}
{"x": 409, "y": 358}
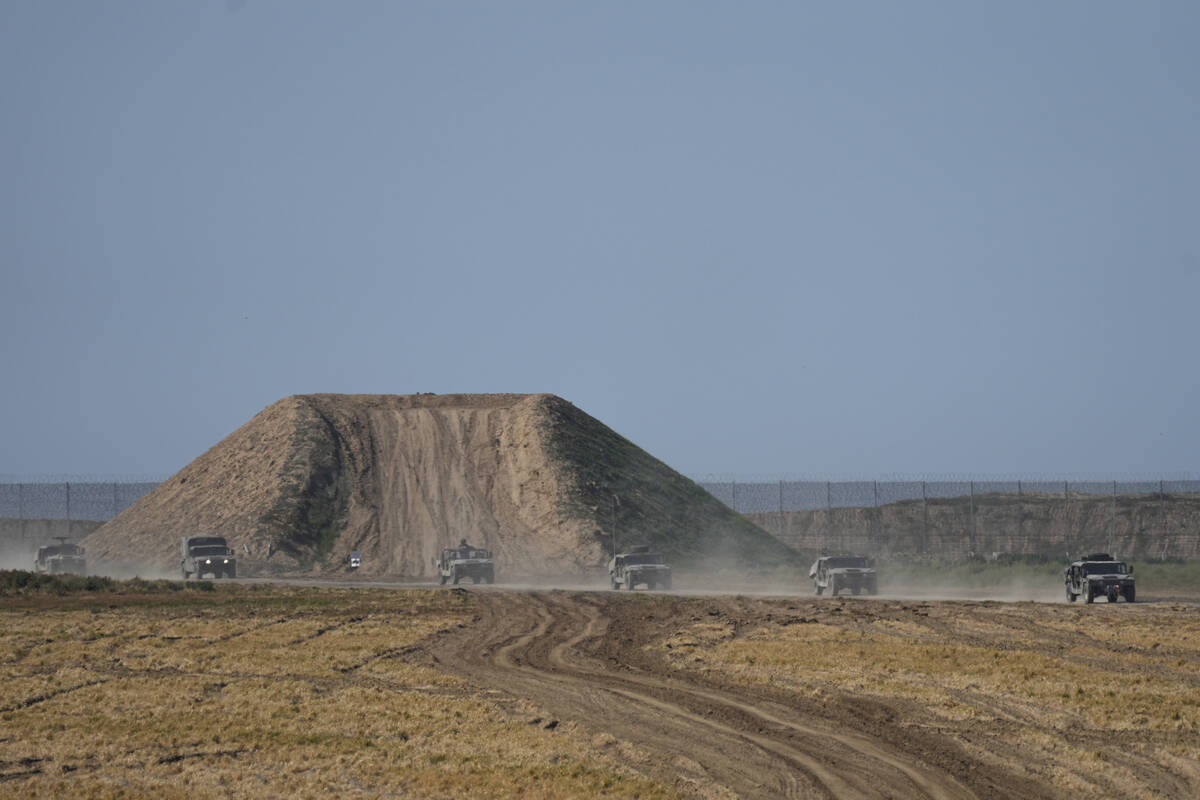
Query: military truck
{"x": 1099, "y": 574}
{"x": 837, "y": 573}
{"x": 206, "y": 555}
{"x": 63, "y": 558}
{"x": 637, "y": 567}
{"x": 456, "y": 563}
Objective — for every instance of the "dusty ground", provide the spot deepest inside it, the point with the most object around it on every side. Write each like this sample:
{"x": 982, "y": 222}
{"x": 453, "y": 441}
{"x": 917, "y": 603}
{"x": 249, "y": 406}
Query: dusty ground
{"x": 550, "y": 693}
{"x": 759, "y": 697}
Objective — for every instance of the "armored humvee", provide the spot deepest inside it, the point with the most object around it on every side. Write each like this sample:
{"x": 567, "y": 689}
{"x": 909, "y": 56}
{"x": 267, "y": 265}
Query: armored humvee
{"x": 63, "y": 558}
{"x": 1099, "y": 574}
{"x": 206, "y": 555}
{"x": 836, "y": 573}
{"x": 639, "y": 566}
{"x": 464, "y": 561}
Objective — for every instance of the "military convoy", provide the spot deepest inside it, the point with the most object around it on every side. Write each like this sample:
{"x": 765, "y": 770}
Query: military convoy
{"x": 458, "y": 563}
{"x": 639, "y": 567}
{"x": 839, "y": 573}
{"x": 63, "y": 558}
{"x": 206, "y": 555}
{"x": 1099, "y": 574}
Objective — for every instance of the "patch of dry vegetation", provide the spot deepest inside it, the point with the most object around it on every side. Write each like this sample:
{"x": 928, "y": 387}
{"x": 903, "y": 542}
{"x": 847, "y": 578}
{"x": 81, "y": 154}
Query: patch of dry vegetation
{"x": 1089, "y": 694}
{"x": 256, "y": 691}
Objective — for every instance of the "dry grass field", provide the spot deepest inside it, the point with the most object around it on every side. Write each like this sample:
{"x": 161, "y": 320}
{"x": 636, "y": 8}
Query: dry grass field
{"x": 254, "y": 691}
{"x": 1085, "y": 699}
{"x": 162, "y": 689}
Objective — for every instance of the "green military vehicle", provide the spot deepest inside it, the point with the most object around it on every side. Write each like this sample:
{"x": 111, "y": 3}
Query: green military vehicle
{"x": 639, "y": 567}
{"x": 206, "y": 555}
{"x": 458, "y": 563}
{"x": 63, "y": 558}
{"x": 839, "y": 573}
{"x": 1099, "y": 574}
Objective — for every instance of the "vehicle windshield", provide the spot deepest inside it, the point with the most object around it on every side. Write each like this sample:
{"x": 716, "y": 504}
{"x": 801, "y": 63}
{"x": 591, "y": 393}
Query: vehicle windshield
{"x": 210, "y": 550}
{"x": 205, "y": 541}
{"x": 1104, "y": 568}
{"x": 460, "y": 554}
{"x": 847, "y": 561}
{"x": 644, "y": 558}
{"x": 59, "y": 550}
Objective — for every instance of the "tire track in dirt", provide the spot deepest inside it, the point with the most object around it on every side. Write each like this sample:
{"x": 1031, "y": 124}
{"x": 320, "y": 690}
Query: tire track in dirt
{"x": 553, "y": 649}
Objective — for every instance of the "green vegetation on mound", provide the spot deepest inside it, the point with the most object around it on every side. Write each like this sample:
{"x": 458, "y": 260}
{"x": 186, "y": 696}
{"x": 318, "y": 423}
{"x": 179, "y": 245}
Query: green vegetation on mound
{"x": 617, "y": 485}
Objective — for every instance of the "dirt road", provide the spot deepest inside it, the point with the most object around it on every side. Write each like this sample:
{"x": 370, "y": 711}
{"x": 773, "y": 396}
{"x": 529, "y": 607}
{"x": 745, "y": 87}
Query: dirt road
{"x": 587, "y": 657}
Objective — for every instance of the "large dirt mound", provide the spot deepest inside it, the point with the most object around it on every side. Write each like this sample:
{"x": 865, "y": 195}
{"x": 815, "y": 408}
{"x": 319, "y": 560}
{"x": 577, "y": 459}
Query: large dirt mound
{"x": 398, "y": 477}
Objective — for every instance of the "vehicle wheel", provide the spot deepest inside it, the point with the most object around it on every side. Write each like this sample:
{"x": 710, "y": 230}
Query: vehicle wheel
{"x": 1087, "y": 594}
{"x": 186, "y": 574}
{"x": 454, "y": 577}
{"x": 820, "y": 589}
{"x": 1129, "y": 595}
{"x": 612, "y": 582}
{"x": 441, "y": 580}
{"x": 1070, "y": 597}
{"x": 833, "y": 588}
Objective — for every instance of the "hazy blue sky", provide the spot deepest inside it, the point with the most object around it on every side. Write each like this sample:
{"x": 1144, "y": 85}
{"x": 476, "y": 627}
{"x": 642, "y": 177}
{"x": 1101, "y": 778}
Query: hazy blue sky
{"x": 757, "y": 238}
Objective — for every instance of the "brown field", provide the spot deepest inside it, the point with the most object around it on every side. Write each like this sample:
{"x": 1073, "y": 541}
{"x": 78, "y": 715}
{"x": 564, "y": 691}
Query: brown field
{"x": 258, "y": 691}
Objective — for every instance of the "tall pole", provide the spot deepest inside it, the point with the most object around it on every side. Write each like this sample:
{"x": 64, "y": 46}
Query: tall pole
{"x": 1162, "y": 514}
{"x": 68, "y": 509}
{"x": 1067, "y": 516}
{"x": 972, "y": 548}
{"x": 781, "y": 510}
{"x": 828, "y": 515}
{"x": 1020, "y": 520}
{"x": 924, "y": 522}
{"x": 1112, "y": 526}
{"x": 733, "y": 501}
{"x": 875, "y": 519}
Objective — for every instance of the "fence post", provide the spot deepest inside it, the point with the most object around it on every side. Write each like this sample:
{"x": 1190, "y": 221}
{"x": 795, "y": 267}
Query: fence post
{"x": 733, "y": 501}
{"x": 924, "y": 522}
{"x": 1162, "y": 514}
{"x": 1020, "y": 520}
{"x": 1067, "y": 519}
{"x": 781, "y": 510}
{"x": 828, "y": 516}
{"x": 1112, "y": 525}
{"x": 116, "y": 502}
{"x": 875, "y": 521}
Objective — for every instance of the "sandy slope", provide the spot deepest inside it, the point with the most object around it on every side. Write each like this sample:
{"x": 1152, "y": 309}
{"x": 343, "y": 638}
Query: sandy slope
{"x": 398, "y": 477}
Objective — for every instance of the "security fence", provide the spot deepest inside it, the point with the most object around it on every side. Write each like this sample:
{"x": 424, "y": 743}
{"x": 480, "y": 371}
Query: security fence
{"x": 97, "y": 501}
{"x": 991, "y": 518}
{"x": 905, "y": 518}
